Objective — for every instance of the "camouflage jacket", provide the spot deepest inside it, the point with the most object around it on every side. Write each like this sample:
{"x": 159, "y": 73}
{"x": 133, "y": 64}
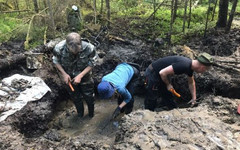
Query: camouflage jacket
{"x": 74, "y": 64}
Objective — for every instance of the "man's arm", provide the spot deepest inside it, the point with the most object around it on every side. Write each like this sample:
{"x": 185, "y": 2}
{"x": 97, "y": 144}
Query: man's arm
{"x": 192, "y": 88}
{"x": 164, "y": 73}
{"x": 124, "y": 93}
{"x": 66, "y": 77}
{"x": 79, "y": 77}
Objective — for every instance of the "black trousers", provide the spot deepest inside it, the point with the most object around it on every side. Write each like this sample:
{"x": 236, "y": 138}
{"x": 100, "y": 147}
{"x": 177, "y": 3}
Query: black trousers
{"x": 131, "y": 88}
{"x": 155, "y": 87}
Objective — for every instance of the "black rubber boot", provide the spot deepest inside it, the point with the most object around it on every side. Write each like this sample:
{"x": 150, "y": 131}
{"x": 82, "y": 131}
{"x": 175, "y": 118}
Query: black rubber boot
{"x": 91, "y": 111}
{"x": 129, "y": 107}
{"x": 80, "y": 108}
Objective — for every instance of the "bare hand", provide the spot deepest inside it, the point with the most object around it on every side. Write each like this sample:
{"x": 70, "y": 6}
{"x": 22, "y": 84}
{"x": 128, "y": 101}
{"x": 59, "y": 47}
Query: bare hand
{"x": 77, "y": 80}
{"x": 66, "y": 78}
{"x": 169, "y": 87}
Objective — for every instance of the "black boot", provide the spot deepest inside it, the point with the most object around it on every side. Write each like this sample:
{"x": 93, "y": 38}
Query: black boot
{"x": 91, "y": 110}
{"x": 80, "y": 108}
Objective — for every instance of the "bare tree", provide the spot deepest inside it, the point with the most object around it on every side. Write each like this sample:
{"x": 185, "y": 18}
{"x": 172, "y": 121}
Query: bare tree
{"x": 185, "y": 15}
{"x": 108, "y": 12}
{"x": 229, "y": 24}
{"x": 51, "y": 16}
{"x": 171, "y": 24}
{"x": 175, "y": 10}
{"x": 95, "y": 11}
{"x": 223, "y": 13}
{"x": 101, "y": 9}
{"x": 154, "y": 8}
{"x": 206, "y": 25}
{"x": 35, "y": 3}
{"x": 190, "y": 13}
{"x": 214, "y": 9}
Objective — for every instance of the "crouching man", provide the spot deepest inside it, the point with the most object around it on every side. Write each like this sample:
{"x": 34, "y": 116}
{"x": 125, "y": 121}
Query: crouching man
{"x": 120, "y": 84}
{"x": 158, "y": 73}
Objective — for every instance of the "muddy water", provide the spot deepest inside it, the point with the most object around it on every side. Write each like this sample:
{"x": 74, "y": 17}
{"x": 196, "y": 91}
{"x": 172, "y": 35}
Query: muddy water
{"x": 97, "y": 128}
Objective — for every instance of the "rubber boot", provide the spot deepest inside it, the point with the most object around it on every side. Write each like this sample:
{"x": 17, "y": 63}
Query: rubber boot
{"x": 80, "y": 108}
{"x": 129, "y": 107}
{"x": 91, "y": 110}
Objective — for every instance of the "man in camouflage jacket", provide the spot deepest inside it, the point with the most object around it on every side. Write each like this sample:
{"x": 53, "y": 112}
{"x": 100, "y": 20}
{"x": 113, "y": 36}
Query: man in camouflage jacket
{"x": 75, "y": 59}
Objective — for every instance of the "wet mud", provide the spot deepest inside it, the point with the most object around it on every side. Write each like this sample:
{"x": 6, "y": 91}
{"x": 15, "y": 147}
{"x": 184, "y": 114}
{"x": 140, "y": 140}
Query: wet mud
{"x": 52, "y": 123}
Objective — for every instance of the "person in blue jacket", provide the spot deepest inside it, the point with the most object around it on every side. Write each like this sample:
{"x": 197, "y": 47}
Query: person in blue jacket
{"x": 120, "y": 84}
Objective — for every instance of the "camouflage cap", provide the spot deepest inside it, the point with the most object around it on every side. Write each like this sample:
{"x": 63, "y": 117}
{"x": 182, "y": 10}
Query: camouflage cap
{"x": 205, "y": 59}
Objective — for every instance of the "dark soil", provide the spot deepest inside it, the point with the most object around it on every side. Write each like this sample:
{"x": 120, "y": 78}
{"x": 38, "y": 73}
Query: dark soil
{"x": 52, "y": 122}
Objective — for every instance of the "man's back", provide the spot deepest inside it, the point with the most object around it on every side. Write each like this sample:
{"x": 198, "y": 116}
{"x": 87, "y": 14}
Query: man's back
{"x": 180, "y": 64}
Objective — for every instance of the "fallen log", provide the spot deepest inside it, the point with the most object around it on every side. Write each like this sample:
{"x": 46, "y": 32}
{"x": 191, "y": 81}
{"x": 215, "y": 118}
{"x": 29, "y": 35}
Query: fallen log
{"x": 13, "y": 60}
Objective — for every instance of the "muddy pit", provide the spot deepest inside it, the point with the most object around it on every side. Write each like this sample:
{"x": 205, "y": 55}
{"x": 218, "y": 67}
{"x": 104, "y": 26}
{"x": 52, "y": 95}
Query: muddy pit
{"x": 51, "y": 122}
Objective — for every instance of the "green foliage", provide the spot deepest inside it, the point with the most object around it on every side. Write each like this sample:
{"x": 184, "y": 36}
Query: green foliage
{"x": 8, "y": 25}
{"x": 132, "y": 13}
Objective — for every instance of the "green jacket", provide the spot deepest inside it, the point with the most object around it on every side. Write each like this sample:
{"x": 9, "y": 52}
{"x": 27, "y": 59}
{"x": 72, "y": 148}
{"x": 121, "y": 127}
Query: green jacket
{"x": 74, "y": 64}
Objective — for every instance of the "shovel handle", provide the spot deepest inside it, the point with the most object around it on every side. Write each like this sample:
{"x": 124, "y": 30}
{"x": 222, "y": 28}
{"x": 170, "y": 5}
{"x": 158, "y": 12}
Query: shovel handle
{"x": 70, "y": 85}
{"x": 175, "y": 93}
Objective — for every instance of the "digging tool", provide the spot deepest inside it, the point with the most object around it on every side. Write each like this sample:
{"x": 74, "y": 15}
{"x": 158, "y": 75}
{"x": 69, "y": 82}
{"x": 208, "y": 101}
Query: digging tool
{"x": 70, "y": 85}
{"x": 176, "y": 94}
{"x": 179, "y": 96}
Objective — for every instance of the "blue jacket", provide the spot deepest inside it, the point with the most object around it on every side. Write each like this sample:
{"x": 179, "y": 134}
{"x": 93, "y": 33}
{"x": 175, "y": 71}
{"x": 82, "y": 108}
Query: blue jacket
{"x": 120, "y": 77}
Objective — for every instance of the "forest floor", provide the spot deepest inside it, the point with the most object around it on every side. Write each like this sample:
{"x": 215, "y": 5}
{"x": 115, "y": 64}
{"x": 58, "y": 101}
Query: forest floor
{"x": 51, "y": 122}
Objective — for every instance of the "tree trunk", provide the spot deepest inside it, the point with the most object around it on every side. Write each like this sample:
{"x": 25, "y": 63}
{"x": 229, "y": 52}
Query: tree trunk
{"x": 222, "y": 14}
{"x": 95, "y": 11}
{"x": 214, "y": 9}
{"x": 190, "y": 13}
{"x": 101, "y": 9}
{"x": 231, "y": 15}
{"x": 108, "y": 12}
{"x": 185, "y": 15}
{"x": 175, "y": 10}
{"x": 208, "y": 11}
{"x": 35, "y": 6}
{"x": 52, "y": 18}
{"x": 154, "y": 8}
{"x": 171, "y": 24}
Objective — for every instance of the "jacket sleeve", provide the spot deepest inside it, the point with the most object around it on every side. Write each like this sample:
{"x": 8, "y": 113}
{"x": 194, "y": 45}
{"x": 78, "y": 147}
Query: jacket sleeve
{"x": 57, "y": 52}
{"x": 93, "y": 56}
{"x": 125, "y": 94}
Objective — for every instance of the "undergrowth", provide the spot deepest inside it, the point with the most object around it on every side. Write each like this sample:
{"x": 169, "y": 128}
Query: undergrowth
{"x": 136, "y": 14}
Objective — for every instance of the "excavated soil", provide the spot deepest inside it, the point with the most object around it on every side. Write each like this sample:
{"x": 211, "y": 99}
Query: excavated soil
{"x": 51, "y": 122}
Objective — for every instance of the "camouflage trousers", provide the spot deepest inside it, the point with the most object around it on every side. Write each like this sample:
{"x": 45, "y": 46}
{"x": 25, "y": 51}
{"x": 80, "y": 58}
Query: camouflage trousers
{"x": 83, "y": 91}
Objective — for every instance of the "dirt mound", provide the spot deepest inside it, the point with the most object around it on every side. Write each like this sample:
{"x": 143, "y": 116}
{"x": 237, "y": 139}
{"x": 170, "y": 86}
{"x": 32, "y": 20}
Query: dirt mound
{"x": 217, "y": 43}
{"x": 50, "y": 123}
{"x": 193, "y": 128}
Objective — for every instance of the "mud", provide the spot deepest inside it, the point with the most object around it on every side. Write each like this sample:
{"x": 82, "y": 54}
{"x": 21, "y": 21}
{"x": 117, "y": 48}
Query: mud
{"x": 51, "y": 123}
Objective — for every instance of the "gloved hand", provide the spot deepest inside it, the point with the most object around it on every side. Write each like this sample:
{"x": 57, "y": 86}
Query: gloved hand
{"x": 116, "y": 112}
